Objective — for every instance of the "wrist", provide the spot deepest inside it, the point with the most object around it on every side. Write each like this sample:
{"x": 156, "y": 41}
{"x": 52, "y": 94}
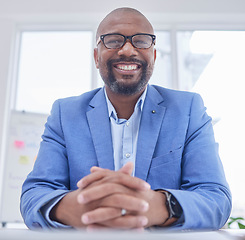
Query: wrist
{"x": 67, "y": 211}
{"x": 173, "y": 208}
{"x": 57, "y": 212}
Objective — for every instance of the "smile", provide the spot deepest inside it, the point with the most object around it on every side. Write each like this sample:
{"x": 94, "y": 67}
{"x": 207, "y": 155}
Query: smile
{"x": 127, "y": 67}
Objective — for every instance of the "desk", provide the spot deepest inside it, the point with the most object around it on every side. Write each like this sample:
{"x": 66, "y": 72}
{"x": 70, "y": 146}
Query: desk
{"x": 15, "y": 234}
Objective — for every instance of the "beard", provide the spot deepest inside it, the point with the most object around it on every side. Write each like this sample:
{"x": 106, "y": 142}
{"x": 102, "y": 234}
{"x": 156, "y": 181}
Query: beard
{"x": 127, "y": 89}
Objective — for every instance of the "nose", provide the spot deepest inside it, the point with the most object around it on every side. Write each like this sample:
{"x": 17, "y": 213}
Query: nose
{"x": 128, "y": 50}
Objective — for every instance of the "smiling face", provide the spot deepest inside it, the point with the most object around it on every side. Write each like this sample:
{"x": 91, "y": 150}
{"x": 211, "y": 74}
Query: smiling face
{"x": 127, "y": 70}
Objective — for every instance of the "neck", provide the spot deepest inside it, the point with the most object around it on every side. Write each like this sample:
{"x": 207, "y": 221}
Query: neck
{"x": 124, "y": 105}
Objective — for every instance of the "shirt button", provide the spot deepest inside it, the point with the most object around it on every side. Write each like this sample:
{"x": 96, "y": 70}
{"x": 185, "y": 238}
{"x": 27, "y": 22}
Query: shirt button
{"x": 127, "y": 155}
{"x": 127, "y": 124}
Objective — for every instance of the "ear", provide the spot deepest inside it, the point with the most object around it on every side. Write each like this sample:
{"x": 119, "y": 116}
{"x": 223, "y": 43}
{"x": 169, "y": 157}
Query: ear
{"x": 155, "y": 54}
{"x": 96, "y": 60}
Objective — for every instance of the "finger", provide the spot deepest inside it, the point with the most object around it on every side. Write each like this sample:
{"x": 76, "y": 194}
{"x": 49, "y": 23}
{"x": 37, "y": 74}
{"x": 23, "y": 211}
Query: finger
{"x": 127, "y": 168}
{"x": 116, "y": 177}
{"x": 100, "y": 214}
{"x": 95, "y": 168}
{"x": 126, "y": 222}
{"x": 101, "y": 191}
{"x": 122, "y": 201}
{"x": 95, "y": 176}
{"x": 111, "y": 217}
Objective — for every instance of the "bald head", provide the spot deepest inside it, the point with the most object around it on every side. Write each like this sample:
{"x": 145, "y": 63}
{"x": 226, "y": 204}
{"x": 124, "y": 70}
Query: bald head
{"x": 124, "y": 16}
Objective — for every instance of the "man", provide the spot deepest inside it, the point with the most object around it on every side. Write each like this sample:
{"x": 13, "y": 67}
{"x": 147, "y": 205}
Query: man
{"x": 129, "y": 155}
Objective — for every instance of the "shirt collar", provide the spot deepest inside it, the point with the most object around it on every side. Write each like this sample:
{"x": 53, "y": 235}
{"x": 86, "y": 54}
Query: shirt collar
{"x": 111, "y": 110}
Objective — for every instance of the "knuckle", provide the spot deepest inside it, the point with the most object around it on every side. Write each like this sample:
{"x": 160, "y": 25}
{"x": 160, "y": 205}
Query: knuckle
{"x": 130, "y": 222}
{"x": 109, "y": 187}
{"x": 113, "y": 212}
{"x": 117, "y": 200}
{"x": 120, "y": 178}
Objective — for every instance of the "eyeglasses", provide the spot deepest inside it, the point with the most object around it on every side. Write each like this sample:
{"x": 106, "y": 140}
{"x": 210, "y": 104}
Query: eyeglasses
{"x": 117, "y": 40}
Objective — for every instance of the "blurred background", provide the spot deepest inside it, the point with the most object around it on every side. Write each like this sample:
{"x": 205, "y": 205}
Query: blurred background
{"x": 46, "y": 52}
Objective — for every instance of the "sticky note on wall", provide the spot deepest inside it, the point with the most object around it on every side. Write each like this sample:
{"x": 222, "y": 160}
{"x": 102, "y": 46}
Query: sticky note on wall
{"x": 23, "y": 160}
{"x": 19, "y": 144}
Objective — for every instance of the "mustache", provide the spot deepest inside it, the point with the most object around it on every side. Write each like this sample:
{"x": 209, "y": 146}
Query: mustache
{"x": 124, "y": 59}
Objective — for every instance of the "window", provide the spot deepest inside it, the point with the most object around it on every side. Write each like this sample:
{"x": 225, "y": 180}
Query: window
{"x": 53, "y": 64}
{"x": 212, "y": 64}
{"x": 162, "y": 74}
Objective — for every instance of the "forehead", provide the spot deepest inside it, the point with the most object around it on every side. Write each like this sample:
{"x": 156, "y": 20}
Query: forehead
{"x": 126, "y": 23}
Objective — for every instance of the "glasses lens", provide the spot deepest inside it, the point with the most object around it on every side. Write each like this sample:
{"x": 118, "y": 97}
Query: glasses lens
{"x": 142, "y": 41}
{"x": 113, "y": 41}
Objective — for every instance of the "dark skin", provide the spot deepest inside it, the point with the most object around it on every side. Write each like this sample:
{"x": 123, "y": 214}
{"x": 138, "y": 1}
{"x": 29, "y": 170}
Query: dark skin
{"x": 100, "y": 196}
{"x": 103, "y": 209}
{"x": 123, "y": 106}
{"x": 132, "y": 23}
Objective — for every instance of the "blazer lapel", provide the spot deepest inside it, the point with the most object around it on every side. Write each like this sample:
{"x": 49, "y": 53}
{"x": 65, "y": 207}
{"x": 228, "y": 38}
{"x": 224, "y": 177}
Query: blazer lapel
{"x": 99, "y": 125}
{"x": 151, "y": 121}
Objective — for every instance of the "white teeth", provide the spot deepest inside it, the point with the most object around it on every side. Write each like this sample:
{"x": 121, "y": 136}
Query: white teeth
{"x": 127, "y": 67}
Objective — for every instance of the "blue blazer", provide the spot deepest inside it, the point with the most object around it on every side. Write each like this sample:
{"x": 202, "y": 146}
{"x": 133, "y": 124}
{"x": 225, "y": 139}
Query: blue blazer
{"x": 176, "y": 152}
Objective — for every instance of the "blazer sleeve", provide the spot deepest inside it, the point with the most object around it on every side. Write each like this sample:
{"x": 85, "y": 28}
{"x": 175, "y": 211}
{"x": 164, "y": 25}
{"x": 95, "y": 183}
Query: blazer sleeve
{"x": 49, "y": 178}
{"x": 204, "y": 194}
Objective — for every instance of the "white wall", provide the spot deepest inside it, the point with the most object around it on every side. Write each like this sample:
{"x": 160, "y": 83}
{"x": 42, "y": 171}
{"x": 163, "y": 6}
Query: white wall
{"x": 167, "y": 14}
{"x": 9, "y": 7}
{"x": 6, "y": 43}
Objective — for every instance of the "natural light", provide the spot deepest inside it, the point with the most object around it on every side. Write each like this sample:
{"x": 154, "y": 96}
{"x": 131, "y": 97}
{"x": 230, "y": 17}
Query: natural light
{"x": 222, "y": 87}
{"x": 53, "y": 65}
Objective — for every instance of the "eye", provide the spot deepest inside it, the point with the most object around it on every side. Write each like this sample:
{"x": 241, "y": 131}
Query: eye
{"x": 113, "y": 41}
{"x": 142, "y": 41}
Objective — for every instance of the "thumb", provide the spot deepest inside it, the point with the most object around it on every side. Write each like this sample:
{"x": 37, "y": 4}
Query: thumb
{"x": 127, "y": 168}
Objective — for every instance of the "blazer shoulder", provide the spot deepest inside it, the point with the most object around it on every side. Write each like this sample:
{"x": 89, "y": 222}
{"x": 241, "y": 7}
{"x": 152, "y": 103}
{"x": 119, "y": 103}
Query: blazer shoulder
{"x": 171, "y": 95}
{"x": 82, "y": 101}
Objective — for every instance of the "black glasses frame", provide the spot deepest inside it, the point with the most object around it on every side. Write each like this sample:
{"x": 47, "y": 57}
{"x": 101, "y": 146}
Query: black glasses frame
{"x": 102, "y": 37}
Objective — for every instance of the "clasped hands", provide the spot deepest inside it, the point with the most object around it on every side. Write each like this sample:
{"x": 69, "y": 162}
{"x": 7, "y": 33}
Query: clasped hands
{"x": 101, "y": 196}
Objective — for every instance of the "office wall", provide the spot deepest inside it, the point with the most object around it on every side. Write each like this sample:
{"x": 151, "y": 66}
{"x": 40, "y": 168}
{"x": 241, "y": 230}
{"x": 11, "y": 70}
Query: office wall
{"x": 163, "y": 14}
{"x": 6, "y": 34}
{"x": 97, "y": 6}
